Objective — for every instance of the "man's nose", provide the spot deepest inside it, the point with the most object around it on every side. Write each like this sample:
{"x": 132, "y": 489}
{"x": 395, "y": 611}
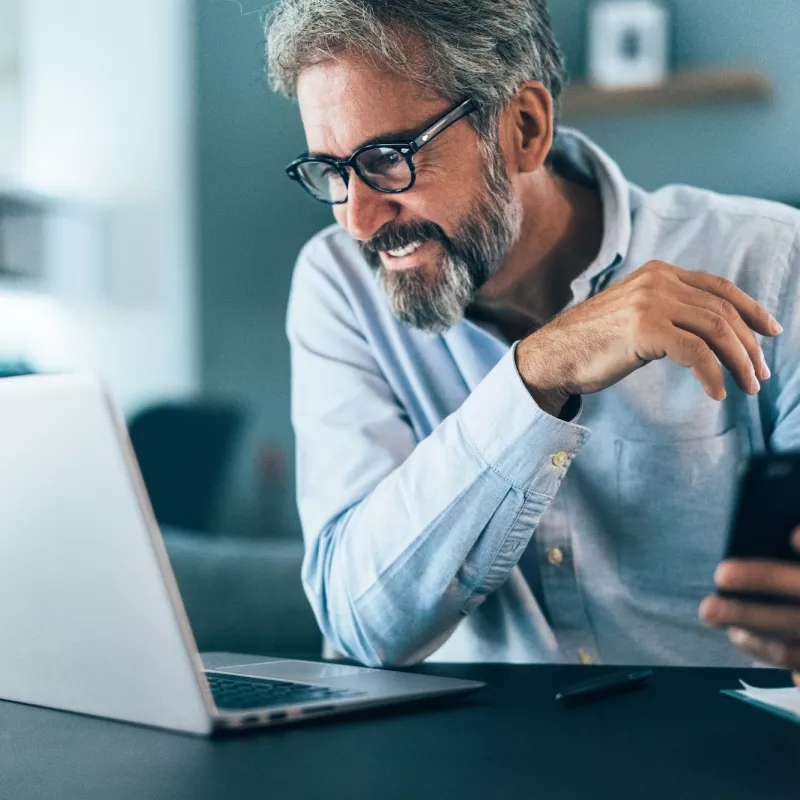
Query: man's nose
{"x": 367, "y": 210}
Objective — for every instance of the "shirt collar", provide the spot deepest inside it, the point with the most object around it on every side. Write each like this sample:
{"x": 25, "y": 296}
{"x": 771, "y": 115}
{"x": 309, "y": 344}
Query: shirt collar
{"x": 578, "y": 158}
{"x": 580, "y": 154}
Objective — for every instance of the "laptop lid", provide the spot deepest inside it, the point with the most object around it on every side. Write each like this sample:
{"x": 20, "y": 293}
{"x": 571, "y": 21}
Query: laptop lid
{"x": 90, "y": 615}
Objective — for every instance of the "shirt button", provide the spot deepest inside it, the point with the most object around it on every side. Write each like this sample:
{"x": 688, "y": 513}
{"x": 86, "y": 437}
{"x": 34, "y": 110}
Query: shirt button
{"x": 555, "y": 557}
{"x": 560, "y": 458}
{"x": 585, "y": 657}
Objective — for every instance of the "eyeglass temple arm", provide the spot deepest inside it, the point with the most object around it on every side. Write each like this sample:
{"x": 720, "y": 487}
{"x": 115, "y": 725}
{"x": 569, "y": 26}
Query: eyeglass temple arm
{"x": 467, "y": 107}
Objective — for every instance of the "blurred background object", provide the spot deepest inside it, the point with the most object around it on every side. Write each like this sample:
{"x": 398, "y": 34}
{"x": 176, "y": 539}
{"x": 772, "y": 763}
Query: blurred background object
{"x": 9, "y": 85}
{"x": 629, "y": 43}
{"x": 149, "y": 233}
{"x": 104, "y": 130}
{"x": 184, "y": 450}
{"x": 98, "y": 270}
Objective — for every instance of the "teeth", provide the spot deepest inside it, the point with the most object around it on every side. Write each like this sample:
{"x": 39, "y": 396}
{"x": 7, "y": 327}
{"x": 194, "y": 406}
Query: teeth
{"x": 406, "y": 251}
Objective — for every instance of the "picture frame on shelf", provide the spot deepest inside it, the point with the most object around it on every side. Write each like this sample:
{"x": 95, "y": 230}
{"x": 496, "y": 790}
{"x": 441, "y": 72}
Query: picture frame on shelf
{"x": 629, "y": 43}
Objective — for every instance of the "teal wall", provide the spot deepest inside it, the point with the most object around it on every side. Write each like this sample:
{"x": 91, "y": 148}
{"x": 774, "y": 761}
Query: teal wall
{"x": 252, "y": 222}
{"x": 750, "y": 150}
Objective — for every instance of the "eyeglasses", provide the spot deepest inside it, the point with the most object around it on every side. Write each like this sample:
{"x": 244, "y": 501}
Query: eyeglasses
{"x": 386, "y": 167}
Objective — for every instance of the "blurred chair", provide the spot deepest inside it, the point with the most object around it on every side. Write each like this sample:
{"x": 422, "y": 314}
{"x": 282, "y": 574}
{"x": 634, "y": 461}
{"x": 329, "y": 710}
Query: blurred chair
{"x": 184, "y": 450}
{"x": 241, "y": 595}
{"x": 244, "y": 595}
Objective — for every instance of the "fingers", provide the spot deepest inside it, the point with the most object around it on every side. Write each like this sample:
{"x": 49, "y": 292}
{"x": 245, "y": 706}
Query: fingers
{"x": 728, "y": 344}
{"x": 796, "y": 678}
{"x": 782, "y": 654}
{"x": 715, "y": 309}
{"x": 754, "y": 314}
{"x": 772, "y": 621}
{"x": 689, "y": 350}
{"x": 770, "y": 632}
{"x": 766, "y": 577}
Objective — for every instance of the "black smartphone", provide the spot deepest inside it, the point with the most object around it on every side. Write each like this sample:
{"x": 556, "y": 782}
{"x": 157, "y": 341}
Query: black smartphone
{"x": 768, "y": 511}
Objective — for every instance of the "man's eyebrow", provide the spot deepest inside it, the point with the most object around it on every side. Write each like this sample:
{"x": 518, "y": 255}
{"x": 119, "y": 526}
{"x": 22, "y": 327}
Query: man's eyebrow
{"x": 389, "y": 137}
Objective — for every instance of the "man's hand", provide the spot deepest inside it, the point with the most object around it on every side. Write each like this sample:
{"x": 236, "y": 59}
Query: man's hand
{"x": 658, "y": 311}
{"x": 771, "y": 633}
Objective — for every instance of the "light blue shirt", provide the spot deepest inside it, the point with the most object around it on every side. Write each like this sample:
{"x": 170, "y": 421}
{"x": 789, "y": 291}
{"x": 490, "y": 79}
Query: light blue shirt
{"x": 446, "y": 516}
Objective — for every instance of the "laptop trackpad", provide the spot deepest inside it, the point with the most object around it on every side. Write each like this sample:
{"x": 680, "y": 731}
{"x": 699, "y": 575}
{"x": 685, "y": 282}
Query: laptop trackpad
{"x": 298, "y": 671}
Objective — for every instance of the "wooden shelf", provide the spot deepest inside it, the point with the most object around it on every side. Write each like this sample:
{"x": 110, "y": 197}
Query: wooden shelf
{"x": 683, "y": 89}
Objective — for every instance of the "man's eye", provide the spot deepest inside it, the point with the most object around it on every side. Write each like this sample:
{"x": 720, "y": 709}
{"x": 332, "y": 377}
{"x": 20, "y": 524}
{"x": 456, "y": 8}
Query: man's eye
{"x": 386, "y": 160}
{"x": 379, "y": 161}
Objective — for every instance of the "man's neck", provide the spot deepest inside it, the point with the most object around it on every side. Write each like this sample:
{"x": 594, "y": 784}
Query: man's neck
{"x": 562, "y": 232}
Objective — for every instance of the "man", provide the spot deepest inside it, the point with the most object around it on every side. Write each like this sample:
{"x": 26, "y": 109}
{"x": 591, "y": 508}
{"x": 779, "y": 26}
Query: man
{"x": 522, "y": 387}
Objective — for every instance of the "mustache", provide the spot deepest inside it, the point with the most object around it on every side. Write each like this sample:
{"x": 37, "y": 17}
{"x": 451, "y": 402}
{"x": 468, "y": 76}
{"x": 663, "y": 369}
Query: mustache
{"x": 394, "y": 236}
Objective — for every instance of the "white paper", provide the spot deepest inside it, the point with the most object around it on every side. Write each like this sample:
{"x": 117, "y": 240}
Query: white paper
{"x": 784, "y": 699}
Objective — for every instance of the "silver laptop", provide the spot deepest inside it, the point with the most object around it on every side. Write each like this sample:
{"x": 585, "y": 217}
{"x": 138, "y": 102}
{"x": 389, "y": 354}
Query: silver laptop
{"x": 91, "y": 619}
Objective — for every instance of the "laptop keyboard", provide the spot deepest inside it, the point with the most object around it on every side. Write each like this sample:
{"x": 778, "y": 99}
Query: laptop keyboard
{"x": 239, "y": 693}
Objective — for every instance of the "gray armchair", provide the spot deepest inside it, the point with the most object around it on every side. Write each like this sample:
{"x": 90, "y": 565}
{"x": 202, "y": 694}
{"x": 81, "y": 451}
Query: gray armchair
{"x": 244, "y": 595}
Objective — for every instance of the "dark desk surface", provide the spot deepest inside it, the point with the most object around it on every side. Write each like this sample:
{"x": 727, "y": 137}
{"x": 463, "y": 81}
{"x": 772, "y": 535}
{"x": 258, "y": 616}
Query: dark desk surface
{"x": 675, "y": 738}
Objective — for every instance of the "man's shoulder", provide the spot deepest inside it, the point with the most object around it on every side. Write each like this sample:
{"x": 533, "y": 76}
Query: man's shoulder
{"x": 733, "y": 215}
{"x": 750, "y": 241}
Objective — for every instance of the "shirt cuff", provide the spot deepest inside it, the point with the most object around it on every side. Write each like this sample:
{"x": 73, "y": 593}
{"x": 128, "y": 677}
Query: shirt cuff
{"x": 528, "y": 447}
{"x": 572, "y": 408}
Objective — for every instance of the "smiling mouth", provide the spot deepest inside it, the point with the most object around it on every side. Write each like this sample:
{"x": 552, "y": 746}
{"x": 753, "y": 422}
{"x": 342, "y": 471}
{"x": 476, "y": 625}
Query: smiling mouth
{"x": 401, "y": 252}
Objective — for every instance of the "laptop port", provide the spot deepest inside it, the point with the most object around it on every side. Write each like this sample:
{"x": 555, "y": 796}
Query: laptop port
{"x": 276, "y": 715}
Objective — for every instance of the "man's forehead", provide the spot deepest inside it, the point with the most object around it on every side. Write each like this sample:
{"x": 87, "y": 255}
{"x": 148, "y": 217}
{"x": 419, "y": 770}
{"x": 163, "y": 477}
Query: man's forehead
{"x": 347, "y": 101}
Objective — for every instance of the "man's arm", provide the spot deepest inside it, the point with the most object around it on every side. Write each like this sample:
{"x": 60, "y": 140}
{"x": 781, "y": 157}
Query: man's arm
{"x": 403, "y": 539}
{"x": 771, "y": 633}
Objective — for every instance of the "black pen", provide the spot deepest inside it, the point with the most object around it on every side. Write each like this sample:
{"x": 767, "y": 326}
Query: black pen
{"x": 601, "y": 687}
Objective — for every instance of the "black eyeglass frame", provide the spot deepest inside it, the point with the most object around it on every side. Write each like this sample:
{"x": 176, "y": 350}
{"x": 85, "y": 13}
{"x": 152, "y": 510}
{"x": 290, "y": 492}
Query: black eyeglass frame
{"x": 406, "y": 149}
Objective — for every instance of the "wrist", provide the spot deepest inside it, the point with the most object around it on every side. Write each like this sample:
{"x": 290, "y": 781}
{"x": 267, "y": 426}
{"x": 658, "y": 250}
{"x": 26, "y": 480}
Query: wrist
{"x": 541, "y": 380}
{"x": 551, "y": 402}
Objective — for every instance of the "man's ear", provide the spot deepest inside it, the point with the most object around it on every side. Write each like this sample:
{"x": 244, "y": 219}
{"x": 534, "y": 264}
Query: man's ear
{"x": 527, "y": 127}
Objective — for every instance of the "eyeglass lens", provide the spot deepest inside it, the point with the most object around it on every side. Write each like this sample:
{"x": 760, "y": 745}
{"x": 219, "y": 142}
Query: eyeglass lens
{"x": 380, "y": 167}
{"x": 384, "y": 168}
{"x": 323, "y": 181}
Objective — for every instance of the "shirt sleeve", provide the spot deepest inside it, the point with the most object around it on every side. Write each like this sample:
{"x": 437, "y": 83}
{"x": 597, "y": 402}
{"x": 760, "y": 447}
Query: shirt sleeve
{"x": 405, "y": 537}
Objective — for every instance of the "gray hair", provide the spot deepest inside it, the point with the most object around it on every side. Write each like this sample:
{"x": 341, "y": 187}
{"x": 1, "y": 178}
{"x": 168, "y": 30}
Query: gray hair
{"x": 481, "y": 49}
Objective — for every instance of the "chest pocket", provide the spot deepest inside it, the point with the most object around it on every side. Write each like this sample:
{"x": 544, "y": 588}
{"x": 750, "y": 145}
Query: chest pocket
{"x": 675, "y": 502}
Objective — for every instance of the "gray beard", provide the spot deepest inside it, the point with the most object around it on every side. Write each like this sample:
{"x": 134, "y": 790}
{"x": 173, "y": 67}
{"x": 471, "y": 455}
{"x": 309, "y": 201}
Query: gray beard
{"x": 472, "y": 256}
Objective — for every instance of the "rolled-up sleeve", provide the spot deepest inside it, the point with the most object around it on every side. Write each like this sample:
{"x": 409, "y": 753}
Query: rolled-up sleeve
{"x": 406, "y": 537}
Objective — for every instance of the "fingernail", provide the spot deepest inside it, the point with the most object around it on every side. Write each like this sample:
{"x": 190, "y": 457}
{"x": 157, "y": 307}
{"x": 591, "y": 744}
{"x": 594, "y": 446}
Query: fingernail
{"x": 707, "y": 612}
{"x": 765, "y": 371}
{"x": 776, "y": 326}
{"x": 738, "y": 636}
{"x": 755, "y": 386}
